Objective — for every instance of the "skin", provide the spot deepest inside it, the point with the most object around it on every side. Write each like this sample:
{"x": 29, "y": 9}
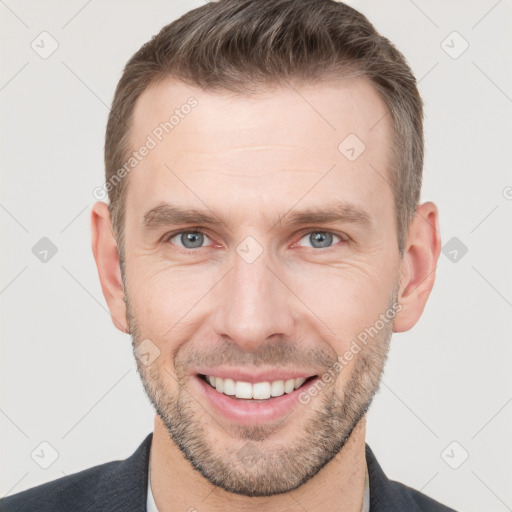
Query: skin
{"x": 251, "y": 160}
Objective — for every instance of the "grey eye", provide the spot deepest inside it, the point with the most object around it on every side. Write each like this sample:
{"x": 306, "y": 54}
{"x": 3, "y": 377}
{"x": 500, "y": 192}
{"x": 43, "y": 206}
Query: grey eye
{"x": 190, "y": 239}
{"x": 320, "y": 239}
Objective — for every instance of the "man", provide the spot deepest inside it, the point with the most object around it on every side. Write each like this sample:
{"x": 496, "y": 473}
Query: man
{"x": 263, "y": 240}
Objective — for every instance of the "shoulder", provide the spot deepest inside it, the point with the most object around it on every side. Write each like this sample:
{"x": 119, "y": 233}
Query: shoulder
{"x": 73, "y": 492}
{"x": 114, "y": 486}
{"x": 417, "y": 500}
{"x": 389, "y": 495}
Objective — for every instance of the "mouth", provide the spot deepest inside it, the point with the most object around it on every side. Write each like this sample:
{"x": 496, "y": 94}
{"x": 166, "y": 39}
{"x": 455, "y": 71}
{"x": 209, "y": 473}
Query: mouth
{"x": 257, "y": 391}
{"x": 253, "y": 403}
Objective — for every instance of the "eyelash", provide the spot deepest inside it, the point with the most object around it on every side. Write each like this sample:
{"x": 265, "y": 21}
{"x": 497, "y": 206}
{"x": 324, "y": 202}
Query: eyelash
{"x": 343, "y": 239}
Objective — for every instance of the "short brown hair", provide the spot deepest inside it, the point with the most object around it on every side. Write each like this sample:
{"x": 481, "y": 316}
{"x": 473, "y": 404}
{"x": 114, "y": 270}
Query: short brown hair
{"x": 248, "y": 45}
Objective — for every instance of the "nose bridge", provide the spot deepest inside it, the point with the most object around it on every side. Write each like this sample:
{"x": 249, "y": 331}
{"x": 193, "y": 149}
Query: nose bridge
{"x": 254, "y": 304}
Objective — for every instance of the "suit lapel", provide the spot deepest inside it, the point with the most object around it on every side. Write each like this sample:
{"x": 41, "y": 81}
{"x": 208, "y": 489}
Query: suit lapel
{"x": 124, "y": 487}
{"x": 384, "y": 496}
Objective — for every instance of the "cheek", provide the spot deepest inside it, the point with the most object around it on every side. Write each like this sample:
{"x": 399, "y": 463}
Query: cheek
{"x": 347, "y": 299}
{"x": 164, "y": 299}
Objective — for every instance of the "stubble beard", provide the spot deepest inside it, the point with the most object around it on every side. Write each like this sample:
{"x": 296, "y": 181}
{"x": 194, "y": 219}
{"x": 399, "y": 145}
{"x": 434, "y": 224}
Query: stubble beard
{"x": 249, "y": 463}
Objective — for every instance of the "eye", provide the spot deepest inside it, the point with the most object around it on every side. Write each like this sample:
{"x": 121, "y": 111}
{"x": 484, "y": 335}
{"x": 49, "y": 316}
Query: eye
{"x": 187, "y": 239}
{"x": 321, "y": 239}
{"x": 195, "y": 239}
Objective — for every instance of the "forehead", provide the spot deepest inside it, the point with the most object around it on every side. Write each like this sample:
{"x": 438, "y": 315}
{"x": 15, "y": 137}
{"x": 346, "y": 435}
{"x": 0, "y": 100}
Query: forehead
{"x": 233, "y": 148}
{"x": 326, "y": 109}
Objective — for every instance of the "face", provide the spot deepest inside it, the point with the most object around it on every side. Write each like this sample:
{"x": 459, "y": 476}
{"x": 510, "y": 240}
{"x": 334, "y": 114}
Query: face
{"x": 260, "y": 246}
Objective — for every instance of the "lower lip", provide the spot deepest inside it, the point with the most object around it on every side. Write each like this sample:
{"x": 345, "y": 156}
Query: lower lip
{"x": 249, "y": 412}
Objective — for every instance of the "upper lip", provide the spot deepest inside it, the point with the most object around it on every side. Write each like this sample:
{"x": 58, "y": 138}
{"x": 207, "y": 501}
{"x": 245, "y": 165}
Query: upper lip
{"x": 244, "y": 375}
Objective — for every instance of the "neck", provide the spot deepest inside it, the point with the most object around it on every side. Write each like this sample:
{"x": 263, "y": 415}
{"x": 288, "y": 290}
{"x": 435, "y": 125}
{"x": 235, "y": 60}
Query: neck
{"x": 177, "y": 486}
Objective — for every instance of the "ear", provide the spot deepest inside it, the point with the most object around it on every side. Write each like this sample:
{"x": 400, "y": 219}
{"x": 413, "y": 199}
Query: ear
{"x": 418, "y": 268}
{"x": 104, "y": 248}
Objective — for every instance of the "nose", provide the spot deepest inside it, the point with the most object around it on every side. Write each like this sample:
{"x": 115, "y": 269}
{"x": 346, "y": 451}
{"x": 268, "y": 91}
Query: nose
{"x": 255, "y": 304}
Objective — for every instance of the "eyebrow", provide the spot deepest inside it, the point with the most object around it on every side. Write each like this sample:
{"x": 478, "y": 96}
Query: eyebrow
{"x": 167, "y": 214}
{"x": 338, "y": 212}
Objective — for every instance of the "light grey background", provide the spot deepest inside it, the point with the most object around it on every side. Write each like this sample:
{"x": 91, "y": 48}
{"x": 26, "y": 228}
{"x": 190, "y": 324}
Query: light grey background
{"x": 68, "y": 376}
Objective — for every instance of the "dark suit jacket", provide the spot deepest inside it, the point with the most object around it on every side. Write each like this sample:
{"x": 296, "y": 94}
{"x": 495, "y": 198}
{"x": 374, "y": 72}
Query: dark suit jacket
{"x": 121, "y": 486}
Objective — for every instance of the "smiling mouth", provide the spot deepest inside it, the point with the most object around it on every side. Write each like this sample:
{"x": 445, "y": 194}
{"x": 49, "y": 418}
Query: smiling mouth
{"x": 257, "y": 391}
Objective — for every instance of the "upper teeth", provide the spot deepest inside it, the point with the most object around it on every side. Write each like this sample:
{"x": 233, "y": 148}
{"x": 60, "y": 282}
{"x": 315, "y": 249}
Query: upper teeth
{"x": 258, "y": 390}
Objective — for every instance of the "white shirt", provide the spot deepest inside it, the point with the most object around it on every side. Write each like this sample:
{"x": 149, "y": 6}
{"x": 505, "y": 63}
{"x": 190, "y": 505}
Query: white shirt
{"x": 151, "y": 505}
{"x": 150, "y": 502}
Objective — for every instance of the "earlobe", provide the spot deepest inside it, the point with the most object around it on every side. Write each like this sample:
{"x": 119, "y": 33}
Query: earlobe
{"x": 104, "y": 248}
{"x": 418, "y": 267}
